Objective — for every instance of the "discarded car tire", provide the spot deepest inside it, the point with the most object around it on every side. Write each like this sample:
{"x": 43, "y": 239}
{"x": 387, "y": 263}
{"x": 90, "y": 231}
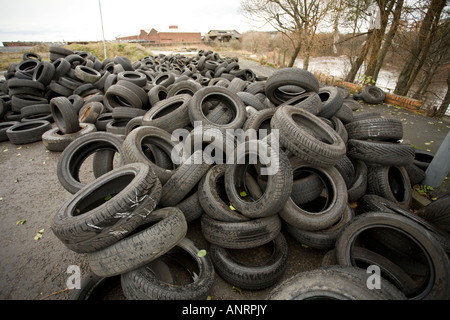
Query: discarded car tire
{"x": 312, "y": 218}
{"x": 437, "y": 286}
{"x": 219, "y": 95}
{"x": 127, "y": 254}
{"x": 66, "y": 118}
{"x": 184, "y": 179}
{"x": 260, "y": 274}
{"x": 333, "y": 282}
{"x": 375, "y": 129}
{"x": 107, "y": 209}
{"x": 373, "y": 95}
{"x": 390, "y": 182}
{"x": 133, "y": 149}
{"x": 27, "y": 132}
{"x": 240, "y": 235}
{"x": 78, "y": 151}
{"x": 278, "y": 187}
{"x": 381, "y": 152}
{"x": 301, "y": 80}
{"x": 141, "y": 284}
{"x": 55, "y": 140}
{"x": 308, "y": 137}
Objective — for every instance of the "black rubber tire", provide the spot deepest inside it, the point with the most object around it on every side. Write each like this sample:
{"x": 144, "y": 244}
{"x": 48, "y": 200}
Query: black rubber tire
{"x": 137, "y": 78}
{"x": 44, "y": 72}
{"x": 120, "y": 96}
{"x": 381, "y": 152}
{"x": 324, "y": 239}
{"x": 346, "y": 169}
{"x": 438, "y": 283}
{"x": 189, "y": 87}
{"x": 141, "y": 284}
{"x": 302, "y": 79}
{"x": 184, "y": 179}
{"x": 310, "y": 101}
{"x": 331, "y": 101}
{"x": 375, "y": 129}
{"x": 86, "y": 74}
{"x": 211, "y": 194}
{"x": 254, "y": 275}
{"x": 437, "y": 212}
{"x": 308, "y": 137}
{"x": 388, "y": 270}
{"x": 90, "y": 112}
{"x": 5, "y": 126}
{"x": 137, "y": 138}
{"x": 127, "y": 113}
{"x": 76, "y": 153}
{"x": 34, "y": 110}
{"x": 279, "y": 184}
{"x": 260, "y": 120}
{"x": 93, "y": 287}
{"x": 240, "y": 235}
{"x": 157, "y": 93}
{"x": 127, "y": 254}
{"x": 89, "y": 221}
{"x": 359, "y": 186}
{"x": 373, "y": 95}
{"x": 391, "y": 183}
{"x": 224, "y": 97}
{"x": 415, "y": 174}
{"x": 250, "y": 100}
{"x": 372, "y": 202}
{"x": 423, "y": 158}
{"x": 333, "y": 282}
{"x": 27, "y": 132}
{"x": 191, "y": 207}
{"x": 330, "y": 212}
{"x": 56, "y": 141}
{"x": 169, "y": 114}
{"x": 64, "y": 114}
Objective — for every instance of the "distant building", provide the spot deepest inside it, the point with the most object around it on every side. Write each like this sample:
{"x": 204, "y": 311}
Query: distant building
{"x": 171, "y": 35}
{"x": 222, "y": 35}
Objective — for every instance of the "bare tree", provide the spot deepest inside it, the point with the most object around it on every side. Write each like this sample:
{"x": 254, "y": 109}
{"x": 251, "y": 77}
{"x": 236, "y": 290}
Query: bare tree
{"x": 420, "y": 48}
{"x": 298, "y": 20}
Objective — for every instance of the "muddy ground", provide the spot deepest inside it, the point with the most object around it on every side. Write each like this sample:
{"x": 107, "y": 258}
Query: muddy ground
{"x": 30, "y": 191}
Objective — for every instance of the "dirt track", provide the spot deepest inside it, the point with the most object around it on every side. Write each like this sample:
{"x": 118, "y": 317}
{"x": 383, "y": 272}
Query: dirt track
{"x": 29, "y": 190}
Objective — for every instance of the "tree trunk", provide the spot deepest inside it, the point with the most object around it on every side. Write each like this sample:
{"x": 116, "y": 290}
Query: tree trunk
{"x": 423, "y": 56}
{"x": 362, "y": 56}
{"x": 433, "y": 12}
{"x": 378, "y": 38}
{"x": 295, "y": 54}
{"x": 389, "y": 37}
{"x": 440, "y": 112}
{"x": 426, "y": 82}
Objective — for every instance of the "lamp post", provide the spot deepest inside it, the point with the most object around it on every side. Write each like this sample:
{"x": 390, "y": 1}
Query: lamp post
{"x": 103, "y": 32}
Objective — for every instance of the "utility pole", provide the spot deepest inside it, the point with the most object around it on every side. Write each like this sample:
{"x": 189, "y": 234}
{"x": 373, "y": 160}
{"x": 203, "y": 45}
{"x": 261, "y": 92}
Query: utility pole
{"x": 103, "y": 31}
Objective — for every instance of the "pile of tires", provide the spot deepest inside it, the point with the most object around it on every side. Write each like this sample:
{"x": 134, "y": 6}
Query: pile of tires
{"x": 253, "y": 159}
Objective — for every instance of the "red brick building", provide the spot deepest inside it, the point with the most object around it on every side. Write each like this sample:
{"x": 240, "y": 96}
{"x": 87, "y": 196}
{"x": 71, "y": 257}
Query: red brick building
{"x": 172, "y": 35}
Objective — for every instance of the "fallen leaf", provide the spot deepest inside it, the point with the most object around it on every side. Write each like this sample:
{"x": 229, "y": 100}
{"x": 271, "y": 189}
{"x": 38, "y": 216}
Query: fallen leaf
{"x": 237, "y": 289}
{"x": 201, "y": 253}
{"x": 21, "y": 221}
{"x": 243, "y": 194}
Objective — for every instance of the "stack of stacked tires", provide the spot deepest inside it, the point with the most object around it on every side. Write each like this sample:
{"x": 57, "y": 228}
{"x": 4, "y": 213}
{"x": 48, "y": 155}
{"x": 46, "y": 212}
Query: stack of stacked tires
{"x": 252, "y": 158}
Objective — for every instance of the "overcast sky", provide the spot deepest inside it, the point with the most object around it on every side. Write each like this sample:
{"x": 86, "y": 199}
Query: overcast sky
{"x": 79, "y": 20}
